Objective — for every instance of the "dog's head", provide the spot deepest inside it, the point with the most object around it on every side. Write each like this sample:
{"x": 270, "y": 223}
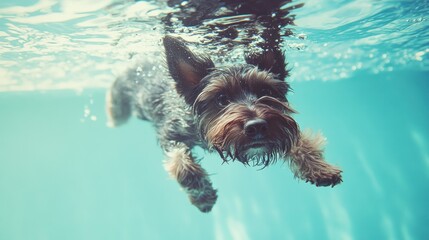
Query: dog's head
{"x": 242, "y": 110}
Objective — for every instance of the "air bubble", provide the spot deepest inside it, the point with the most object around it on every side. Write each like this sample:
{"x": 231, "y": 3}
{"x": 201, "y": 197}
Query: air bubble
{"x": 419, "y": 55}
{"x": 302, "y": 36}
{"x": 359, "y": 65}
{"x": 86, "y": 111}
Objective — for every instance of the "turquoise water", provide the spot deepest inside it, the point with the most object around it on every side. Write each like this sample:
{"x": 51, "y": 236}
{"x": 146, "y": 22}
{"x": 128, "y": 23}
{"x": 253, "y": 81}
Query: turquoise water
{"x": 359, "y": 74}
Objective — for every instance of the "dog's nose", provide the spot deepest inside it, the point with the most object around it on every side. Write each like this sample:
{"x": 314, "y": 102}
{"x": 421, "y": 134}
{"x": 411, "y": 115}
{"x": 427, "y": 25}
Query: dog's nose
{"x": 256, "y": 128}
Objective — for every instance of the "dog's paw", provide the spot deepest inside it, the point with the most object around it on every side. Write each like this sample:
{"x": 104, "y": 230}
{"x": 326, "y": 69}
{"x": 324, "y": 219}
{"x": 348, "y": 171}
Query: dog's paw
{"x": 325, "y": 179}
{"x": 204, "y": 200}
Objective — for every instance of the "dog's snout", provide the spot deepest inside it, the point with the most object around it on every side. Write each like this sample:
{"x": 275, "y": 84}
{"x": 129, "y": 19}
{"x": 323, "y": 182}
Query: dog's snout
{"x": 256, "y": 128}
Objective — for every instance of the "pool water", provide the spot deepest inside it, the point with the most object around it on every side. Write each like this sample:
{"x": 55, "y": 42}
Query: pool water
{"x": 359, "y": 73}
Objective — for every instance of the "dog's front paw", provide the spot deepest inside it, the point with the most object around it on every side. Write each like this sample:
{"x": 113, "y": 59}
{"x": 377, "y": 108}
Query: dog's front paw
{"x": 204, "y": 200}
{"x": 324, "y": 179}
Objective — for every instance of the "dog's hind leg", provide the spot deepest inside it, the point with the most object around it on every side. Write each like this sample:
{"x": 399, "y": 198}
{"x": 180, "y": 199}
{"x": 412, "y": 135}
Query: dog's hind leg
{"x": 118, "y": 103}
{"x": 191, "y": 177}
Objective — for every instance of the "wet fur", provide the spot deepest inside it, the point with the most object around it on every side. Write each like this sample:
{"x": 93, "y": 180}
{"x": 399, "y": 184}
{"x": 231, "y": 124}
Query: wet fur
{"x": 186, "y": 112}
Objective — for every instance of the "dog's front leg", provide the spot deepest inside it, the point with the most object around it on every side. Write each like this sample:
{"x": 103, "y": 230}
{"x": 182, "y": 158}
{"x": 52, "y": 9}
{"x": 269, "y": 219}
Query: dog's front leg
{"x": 181, "y": 165}
{"x": 307, "y": 163}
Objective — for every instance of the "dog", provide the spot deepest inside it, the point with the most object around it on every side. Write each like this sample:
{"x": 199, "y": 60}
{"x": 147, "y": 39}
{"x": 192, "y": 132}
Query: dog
{"x": 240, "y": 112}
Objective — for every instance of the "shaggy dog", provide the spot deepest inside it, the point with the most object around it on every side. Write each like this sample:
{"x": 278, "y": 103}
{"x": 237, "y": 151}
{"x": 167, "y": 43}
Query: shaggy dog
{"x": 239, "y": 111}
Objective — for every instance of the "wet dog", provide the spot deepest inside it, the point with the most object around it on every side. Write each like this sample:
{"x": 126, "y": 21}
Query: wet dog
{"x": 241, "y": 112}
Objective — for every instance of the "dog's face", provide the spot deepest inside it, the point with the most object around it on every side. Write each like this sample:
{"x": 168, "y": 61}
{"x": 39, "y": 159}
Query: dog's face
{"x": 241, "y": 111}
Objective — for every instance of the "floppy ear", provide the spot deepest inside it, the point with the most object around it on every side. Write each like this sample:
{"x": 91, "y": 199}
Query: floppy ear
{"x": 186, "y": 68}
{"x": 272, "y": 60}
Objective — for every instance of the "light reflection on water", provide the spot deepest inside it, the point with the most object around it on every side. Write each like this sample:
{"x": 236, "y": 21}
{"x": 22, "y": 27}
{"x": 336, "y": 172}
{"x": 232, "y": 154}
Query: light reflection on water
{"x": 63, "y": 175}
{"x": 84, "y": 44}
{"x": 72, "y": 45}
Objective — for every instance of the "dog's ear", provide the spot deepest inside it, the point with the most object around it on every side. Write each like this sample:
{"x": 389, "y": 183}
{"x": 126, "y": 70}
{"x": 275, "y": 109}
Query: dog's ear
{"x": 186, "y": 68}
{"x": 272, "y": 60}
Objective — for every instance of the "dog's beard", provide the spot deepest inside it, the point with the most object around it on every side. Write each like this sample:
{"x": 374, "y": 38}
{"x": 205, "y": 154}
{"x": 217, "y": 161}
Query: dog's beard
{"x": 262, "y": 154}
{"x": 225, "y": 132}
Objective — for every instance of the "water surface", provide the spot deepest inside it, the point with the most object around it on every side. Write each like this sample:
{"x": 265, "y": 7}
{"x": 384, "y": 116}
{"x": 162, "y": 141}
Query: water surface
{"x": 359, "y": 74}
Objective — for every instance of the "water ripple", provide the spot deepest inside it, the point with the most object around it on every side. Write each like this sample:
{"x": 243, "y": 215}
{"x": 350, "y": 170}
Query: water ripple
{"x": 55, "y": 44}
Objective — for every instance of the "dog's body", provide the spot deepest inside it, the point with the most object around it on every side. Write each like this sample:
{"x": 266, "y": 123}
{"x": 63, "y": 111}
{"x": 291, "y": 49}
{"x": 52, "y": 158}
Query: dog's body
{"x": 240, "y": 111}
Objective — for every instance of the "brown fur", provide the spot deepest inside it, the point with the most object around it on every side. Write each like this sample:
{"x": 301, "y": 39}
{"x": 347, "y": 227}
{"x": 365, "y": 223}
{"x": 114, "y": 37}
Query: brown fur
{"x": 192, "y": 177}
{"x": 307, "y": 162}
{"x": 225, "y": 132}
{"x": 240, "y": 111}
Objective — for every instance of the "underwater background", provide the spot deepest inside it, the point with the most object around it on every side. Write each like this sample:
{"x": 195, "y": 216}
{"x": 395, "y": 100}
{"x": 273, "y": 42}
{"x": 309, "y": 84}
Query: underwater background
{"x": 360, "y": 75}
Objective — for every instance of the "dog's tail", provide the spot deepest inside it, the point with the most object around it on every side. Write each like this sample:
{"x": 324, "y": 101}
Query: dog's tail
{"x": 118, "y": 103}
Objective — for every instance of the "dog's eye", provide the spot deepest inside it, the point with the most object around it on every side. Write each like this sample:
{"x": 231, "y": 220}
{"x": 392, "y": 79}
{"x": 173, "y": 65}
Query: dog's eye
{"x": 223, "y": 100}
{"x": 266, "y": 92}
